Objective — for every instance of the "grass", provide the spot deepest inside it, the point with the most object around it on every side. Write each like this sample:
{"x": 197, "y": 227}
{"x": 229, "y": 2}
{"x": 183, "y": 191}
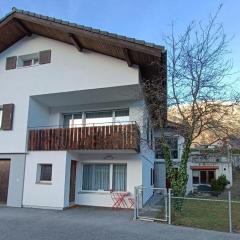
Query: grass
{"x": 210, "y": 215}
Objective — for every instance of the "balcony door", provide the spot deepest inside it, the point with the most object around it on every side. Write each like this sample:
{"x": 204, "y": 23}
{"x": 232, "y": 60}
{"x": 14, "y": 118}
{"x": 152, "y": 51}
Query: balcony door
{"x": 4, "y": 179}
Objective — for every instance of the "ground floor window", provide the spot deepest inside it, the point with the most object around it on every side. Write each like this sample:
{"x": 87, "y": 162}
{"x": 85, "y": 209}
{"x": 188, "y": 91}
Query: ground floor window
{"x": 203, "y": 176}
{"x": 103, "y": 177}
{"x": 44, "y": 173}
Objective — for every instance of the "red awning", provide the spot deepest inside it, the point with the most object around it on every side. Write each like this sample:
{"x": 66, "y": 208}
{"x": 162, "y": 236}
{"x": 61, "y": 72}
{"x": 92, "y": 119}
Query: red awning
{"x": 204, "y": 167}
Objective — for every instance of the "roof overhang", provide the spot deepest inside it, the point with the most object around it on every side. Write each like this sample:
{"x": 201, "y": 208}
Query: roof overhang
{"x": 150, "y": 58}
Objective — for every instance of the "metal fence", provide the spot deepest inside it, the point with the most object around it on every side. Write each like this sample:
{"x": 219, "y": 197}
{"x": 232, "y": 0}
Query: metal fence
{"x": 151, "y": 204}
{"x": 204, "y": 210}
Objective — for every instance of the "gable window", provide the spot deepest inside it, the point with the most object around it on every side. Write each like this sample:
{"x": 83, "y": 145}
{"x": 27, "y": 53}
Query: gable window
{"x": 28, "y": 60}
{"x": 103, "y": 177}
{"x": 173, "y": 145}
{"x": 44, "y": 173}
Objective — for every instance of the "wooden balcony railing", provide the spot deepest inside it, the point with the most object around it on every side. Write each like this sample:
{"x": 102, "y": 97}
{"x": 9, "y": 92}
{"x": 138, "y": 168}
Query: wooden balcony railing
{"x": 109, "y": 137}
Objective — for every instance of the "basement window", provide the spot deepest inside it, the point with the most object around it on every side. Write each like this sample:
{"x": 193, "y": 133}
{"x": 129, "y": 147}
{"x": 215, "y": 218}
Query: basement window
{"x": 28, "y": 60}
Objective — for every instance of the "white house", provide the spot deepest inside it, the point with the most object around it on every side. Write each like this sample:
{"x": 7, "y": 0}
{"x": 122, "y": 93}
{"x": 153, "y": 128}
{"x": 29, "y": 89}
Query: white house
{"x": 74, "y": 122}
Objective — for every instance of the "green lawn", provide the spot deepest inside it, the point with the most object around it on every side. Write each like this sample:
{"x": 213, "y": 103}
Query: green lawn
{"x": 206, "y": 215}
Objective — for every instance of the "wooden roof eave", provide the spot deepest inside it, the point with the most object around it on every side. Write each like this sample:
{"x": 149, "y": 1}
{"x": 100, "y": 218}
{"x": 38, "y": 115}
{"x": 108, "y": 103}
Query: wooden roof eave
{"x": 75, "y": 30}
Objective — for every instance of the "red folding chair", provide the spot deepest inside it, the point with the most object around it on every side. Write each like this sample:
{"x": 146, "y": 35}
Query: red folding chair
{"x": 131, "y": 201}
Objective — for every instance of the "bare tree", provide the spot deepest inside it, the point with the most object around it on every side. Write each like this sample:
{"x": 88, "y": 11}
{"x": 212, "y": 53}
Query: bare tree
{"x": 197, "y": 65}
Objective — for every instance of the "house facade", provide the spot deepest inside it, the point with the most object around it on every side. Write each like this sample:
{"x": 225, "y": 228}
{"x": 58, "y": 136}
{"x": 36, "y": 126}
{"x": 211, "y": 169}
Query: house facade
{"x": 74, "y": 120}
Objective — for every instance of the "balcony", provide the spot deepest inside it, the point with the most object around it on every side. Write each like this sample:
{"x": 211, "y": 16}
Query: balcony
{"x": 111, "y": 136}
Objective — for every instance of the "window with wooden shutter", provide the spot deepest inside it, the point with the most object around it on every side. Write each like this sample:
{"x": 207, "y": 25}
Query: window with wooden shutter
{"x": 11, "y": 63}
{"x": 45, "y": 57}
{"x": 7, "y": 116}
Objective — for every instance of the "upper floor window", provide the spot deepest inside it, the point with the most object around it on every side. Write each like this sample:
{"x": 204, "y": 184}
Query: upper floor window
{"x": 72, "y": 120}
{"x": 28, "y": 60}
{"x": 97, "y": 118}
{"x": 121, "y": 115}
{"x": 6, "y": 116}
{"x": 173, "y": 145}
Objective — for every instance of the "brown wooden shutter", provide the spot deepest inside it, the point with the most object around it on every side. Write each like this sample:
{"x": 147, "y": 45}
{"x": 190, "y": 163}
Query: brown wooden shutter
{"x": 45, "y": 57}
{"x": 11, "y": 63}
{"x": 7, "y": 116}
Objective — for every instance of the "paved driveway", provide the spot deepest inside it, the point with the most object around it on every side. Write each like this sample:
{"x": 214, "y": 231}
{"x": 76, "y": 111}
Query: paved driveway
{"x": 91, "y": 223}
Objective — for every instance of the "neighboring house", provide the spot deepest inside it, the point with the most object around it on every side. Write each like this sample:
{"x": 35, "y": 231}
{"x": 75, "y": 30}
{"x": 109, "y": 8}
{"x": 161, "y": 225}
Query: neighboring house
{"x": 175, "y": 142}
{"x": 208, "y": 164}
{"x": 72, "y": 113}
{"x": 204, "y": 165}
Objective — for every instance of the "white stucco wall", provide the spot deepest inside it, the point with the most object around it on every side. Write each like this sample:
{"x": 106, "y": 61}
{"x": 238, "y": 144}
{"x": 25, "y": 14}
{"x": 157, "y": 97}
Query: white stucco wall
{"x": 103, "y": 199}
{"x": 56, "y": 195}
{"x": 45, "y": 195}
{"x": 69, "y": 70}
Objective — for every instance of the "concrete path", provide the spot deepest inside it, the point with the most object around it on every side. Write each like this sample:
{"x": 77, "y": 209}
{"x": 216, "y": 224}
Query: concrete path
{"x": 90, "y": 224}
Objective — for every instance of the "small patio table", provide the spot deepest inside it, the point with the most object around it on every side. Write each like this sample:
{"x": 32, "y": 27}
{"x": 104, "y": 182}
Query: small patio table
{"x": 119, "y": 199}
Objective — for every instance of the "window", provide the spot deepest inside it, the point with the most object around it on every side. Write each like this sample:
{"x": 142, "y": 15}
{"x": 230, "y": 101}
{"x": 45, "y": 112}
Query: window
{"x": 1, "y": 114}
{"x": 28, "y": 60}
{"x": 44, "y": 173}
{"x": 122, "y": 116}
{"x": 119, "y": 177}
{"x": 196, "y": 178}
{"x": 72, "y": 120}
{"x": 97, "y": 117}
{"x": 97, "y": 177}
{"x": 173, "y": 145}
{"x": 202, "y": 177}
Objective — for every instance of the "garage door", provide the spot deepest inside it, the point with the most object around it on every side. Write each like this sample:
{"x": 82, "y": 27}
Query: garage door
{"x": 4, "y": 179}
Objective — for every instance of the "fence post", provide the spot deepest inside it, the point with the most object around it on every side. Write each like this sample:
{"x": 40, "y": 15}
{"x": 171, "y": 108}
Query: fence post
{"x": 169, "y": 206}
{"x": 135, "y": 204}
{"x": 230, "y": 210}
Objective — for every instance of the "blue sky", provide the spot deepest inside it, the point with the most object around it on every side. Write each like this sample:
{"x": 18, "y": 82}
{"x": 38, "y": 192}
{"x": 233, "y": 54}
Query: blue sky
{"x": 143, "y": 19}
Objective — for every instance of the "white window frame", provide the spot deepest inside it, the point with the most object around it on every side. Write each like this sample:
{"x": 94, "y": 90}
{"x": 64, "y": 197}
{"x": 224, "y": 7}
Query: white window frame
{"x": 103, "y": 110}
{"x": 28, "y": 57}
{"x": 39, "y": 169}
{"x": 110, "y": 177}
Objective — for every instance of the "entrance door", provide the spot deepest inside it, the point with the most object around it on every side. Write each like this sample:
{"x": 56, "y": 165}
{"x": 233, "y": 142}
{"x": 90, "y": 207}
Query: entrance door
{"x": 72, "y": 181}
{"x": 4, "y": 179}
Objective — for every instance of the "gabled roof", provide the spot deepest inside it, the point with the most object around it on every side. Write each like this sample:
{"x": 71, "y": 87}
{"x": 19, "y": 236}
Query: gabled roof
{"x": 19, "y": 23}
{"x": 150, "y": 58}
